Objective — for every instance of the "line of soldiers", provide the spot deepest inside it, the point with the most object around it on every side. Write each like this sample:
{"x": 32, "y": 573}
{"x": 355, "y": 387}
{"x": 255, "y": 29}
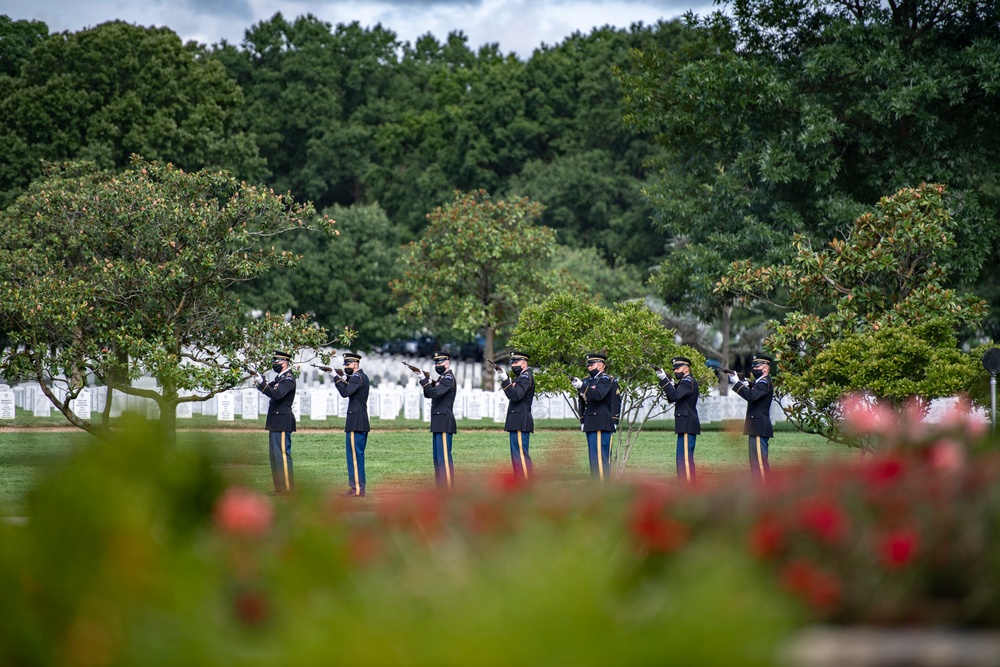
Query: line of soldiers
{"x": 599, "y": 407}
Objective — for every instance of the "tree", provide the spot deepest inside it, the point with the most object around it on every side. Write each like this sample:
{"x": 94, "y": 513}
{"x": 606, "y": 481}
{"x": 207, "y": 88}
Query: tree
{"x": 871, "y": 311}
{"x": 121, "y": 275}
{"x": 105, "y": 93}
{"x": 794, "y": 117}
{"x": 478, "y": 263}
{"x": 341, "y": 280}
{"x": 560, "y": 331}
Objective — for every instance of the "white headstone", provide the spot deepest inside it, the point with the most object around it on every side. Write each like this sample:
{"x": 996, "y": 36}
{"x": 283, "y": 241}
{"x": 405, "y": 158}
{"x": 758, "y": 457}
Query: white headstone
{"x": 389, "y": 405}
{"x": 411, "y": 405}
{"x": 80, "y": 406}
{"x": 118, "y": 403}
{"x": 250, "y": 404}
{"x": 474, "y": 404}
{"x": 152, "y": 409}
{"x": 427, "y": 410}
{"x": 459, "y": 408}
{"x": 342, "y": 405}
{"x": 210, "y": 407}
{"x": 6, "y": 402}
{"x": 98, "y": 399}
{"x": 225, "y": 406}
{"x": 317, "y": 404}
{"x": 297, "y": 407}
{"x": 500, "y": 403}
{"x": 185, "y": 410}
{"x": 43, "y": 405}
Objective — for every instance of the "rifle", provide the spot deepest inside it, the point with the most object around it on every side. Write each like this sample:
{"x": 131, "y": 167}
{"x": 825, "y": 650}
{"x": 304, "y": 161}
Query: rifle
{"x": 722, "y": 369}
{"x": 416, "y": 370}
{"x": 325, "y": 369}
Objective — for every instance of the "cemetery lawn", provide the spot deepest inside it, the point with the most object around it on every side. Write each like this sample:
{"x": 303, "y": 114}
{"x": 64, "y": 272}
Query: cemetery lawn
{"x": 399, "y": 461}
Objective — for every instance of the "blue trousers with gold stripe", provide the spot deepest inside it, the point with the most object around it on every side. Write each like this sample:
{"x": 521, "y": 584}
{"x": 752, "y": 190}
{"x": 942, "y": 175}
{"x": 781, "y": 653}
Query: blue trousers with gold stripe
{"x": 759, "y": 469}
{"x": 519, "y": 456}
{"x": 685, "y": 457}
{"x": 444, "y": 467}
{"x": 280, "y": 451}
{"x": 355, "y": 448}
{"x": 600, "y": 466}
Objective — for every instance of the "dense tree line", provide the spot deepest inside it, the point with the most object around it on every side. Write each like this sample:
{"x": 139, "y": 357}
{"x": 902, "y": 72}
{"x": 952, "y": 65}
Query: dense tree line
{"x": 350, "y": 117}
{"x": 732, "y": 133}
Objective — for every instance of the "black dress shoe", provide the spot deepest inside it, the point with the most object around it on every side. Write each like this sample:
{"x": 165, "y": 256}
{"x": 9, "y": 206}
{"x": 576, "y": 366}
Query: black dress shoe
{"x": 351, "y": 494}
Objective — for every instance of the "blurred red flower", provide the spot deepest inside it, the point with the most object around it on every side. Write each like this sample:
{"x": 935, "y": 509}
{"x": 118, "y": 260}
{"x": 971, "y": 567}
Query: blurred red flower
{"x": 824, "y": 519}
{"x": 899, "y": 548}
{"x": 766, "y": 538}
{"x": 819, "y": 588}
{"x": 241, "y": 511}
{"x": 652, "y": 529}
{"x": 251, "y": 608}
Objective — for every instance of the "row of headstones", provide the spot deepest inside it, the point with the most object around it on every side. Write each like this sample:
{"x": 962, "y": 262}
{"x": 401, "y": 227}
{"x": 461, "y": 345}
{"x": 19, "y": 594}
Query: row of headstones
{"x": 319, "y": 403}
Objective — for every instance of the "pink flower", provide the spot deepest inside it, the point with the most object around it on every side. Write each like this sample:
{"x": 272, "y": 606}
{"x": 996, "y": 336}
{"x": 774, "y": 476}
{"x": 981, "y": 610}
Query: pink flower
{"x": 898, "y": 548}
{"x": 243, "y": 512}
{"x": 947, "y": 455}
{"x": 863, "y": 417}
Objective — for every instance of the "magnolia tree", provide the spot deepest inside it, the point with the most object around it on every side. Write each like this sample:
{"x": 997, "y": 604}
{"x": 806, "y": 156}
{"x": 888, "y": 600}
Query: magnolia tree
{"x": 478, "y": 263}
{"x": 117, "y": 276}
{"x": 559, "y": 332}
{"x": 870, "y": 313}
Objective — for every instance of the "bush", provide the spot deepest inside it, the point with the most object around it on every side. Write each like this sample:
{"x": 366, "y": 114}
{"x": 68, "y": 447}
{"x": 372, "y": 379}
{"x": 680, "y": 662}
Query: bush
{"x": 142, "y": 554}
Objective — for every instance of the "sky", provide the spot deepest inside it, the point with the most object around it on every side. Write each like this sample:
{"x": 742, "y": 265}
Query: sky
{"x": 518, "y": 26}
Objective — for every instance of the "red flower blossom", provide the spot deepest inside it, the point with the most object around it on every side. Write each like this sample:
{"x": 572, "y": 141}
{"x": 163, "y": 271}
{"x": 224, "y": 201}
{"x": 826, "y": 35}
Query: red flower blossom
{"x": 885, "y": 470}
{"x": 766, "y": 538}
{"x": 825, "y": 520}
{"x": 898, "y": 548}
{"x": 819, "y": 588}
{"x": 653, "y": 530}
{"x": 243, "y": 512}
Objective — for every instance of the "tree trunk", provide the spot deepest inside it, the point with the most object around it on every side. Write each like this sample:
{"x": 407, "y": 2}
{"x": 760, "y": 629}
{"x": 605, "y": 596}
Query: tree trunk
{"x": 168, "y": 415}
{"x": 487, "y": 377}
{"x": 727, "y": 325}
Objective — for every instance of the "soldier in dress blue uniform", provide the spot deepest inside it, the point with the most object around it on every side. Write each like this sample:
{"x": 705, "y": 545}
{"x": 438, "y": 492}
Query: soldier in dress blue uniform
{"x": 682, "y": 391}
{"x": 597, "y": 414}
{"x": 442, "y": 394}
{"x": 280, "y": 421}
{"x": 352, "y": 383}
{"x": 519, "y": 388}
{"x": 757, "y": 425}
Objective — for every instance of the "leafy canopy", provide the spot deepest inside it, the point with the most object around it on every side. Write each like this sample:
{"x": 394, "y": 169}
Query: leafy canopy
{"x": 874, "y": 300}
{"x": 124, "y": 275}
{"x": 560, "y": 331}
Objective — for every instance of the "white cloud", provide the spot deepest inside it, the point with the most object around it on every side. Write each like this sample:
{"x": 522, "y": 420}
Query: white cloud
{"x": 517, "y": 25}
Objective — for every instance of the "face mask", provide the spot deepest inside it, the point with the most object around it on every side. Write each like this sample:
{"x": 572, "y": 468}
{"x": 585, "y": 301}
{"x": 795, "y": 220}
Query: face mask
{"x": 757, "y": 373}
{"x": 515, "y": 371}
{"x": 678, "y": 376}
{"x": 593, "y": 372}
{"x": 276, "y": 367}
{"x": 349, "y": 371}
{"x": 439, "y": 369}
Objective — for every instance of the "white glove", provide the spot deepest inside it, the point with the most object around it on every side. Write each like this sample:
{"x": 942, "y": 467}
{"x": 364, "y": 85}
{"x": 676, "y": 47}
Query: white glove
{"x": 733, "y": 379}
{"x": 576, "y": 382}
{"x": 502, "y": 374}
{"x": 660, "y": 373}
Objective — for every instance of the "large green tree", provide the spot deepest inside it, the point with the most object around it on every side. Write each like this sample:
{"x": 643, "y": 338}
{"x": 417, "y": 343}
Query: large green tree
{"x": 340, "y": 280}
{"x": 560, "y": 331}
{"x": 794, "y": 116}
{"x": 869, "y": 312}
{"x": 476, "y": 266}
{"x": 107, "y": 92}
{"x": 120, "y": 275}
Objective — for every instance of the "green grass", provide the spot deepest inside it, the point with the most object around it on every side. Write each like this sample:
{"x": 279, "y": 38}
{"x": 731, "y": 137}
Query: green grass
{"x": 399, "y": 460}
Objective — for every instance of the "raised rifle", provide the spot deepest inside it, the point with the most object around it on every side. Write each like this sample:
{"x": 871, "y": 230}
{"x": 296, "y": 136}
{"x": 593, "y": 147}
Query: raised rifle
{"x": 415, "y": 369}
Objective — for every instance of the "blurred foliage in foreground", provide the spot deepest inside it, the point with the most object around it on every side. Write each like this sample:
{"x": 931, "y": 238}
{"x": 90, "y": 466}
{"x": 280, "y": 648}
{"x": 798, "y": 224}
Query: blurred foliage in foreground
{"x": 143, "y": 554}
